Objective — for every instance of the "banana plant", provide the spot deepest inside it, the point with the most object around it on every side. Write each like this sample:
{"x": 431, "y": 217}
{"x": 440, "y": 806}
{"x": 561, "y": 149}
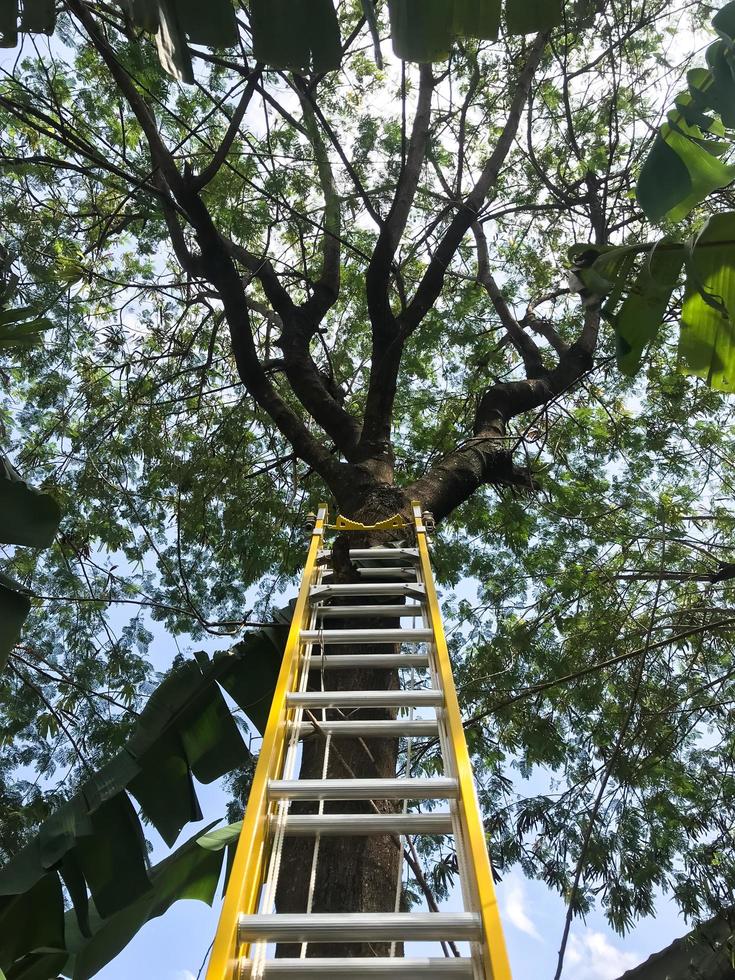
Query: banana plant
{"x": 28, "y": 517}
{"x": 303, "y": 35}
{"x": 94, "y": 845}
{"x": 636, "y": 283}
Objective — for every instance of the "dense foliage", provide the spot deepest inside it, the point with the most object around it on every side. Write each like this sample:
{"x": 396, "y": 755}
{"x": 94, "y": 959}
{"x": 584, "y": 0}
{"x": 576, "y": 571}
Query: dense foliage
{"x": 586, "y": 517}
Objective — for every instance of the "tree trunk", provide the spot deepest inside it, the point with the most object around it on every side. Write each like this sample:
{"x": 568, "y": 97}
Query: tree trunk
{"x": 353, "y": 874}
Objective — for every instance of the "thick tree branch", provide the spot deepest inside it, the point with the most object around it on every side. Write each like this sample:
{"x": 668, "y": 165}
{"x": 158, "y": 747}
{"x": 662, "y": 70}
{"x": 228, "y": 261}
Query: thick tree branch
{"x": 487, "y": 457}
{"x": 432, "y": 281}
{"x": 525, "y": 346}
{"x": 211, "y": 170}
{"x": 326, "y": 289}
{"x": 387, "y": 348}
{"x": 377, "y": 280}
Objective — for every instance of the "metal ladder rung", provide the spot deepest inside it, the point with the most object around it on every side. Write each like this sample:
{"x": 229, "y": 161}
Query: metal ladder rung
{"x": 359, "y": 926}
{"x": 367, "y": 824}
{"x": 373, "y": 729}
{"x": 439, "y": 788}
{"x": 398, "y": 611}
{"x": 367, "y": 588}
{"x": 364, "y": 968}
{"x": 366, "y": 636}
{"x": 401, "y": 660}
{"x": 379, "y": 572}
{"x": 365, "y": 699}
{"x": 378, "y": 552}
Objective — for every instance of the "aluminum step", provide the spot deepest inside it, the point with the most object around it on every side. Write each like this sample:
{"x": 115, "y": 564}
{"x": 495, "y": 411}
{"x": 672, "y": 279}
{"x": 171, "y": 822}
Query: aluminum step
{"x": 439, "y": 788}
{"x": 366, "y": 636}
{"x": 415, "y": 590}
{"x": 367, "y": 824}
{"x": 377, "y": 552}
{"x": 364, "y": 968}
{"x": 365, "y": 699}
{"x": 368, "y": 660}
{"x": 407, "y": 728}
{"x": 380, "y": 572}
{"x": 397, "y": 611}
{"x": 368, "y": 927}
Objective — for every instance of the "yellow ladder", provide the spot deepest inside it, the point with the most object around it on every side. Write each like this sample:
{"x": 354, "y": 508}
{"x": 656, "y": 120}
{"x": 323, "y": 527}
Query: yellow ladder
{"x": 248, "y": 922}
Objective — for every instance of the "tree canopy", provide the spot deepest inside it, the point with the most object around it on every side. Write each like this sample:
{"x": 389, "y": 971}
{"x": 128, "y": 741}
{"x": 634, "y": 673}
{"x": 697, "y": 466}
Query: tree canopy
{"x": 267, "y": 287}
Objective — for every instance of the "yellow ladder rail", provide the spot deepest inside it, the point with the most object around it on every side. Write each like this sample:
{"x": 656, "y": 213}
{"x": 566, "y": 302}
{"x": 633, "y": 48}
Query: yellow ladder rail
{"x": 246, "y": 873}
{"x": 494, "y": 950}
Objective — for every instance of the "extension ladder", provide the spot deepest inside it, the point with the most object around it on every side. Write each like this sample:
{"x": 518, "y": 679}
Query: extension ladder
{"x": 248, "y": 923}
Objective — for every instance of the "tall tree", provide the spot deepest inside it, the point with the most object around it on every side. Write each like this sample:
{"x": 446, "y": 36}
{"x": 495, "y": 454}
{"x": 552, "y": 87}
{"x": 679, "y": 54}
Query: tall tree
{"x": 268, "y": 287}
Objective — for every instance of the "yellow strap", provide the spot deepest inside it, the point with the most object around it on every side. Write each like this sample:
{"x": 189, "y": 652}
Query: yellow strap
{"x": 389, "y": 524}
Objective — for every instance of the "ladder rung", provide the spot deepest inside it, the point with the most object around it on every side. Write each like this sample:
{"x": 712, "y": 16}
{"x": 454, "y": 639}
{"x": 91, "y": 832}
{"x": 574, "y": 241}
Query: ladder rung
{"x": 340, "y": 927}
{"x": 402, "y": 660}
{"x": 398, "y": 611}
{"x": 366, "y": 824}
{"x": 380, "y": 572}
{"x": 365, "y": 699}
{"x": 413, "y": 589}
{"x": 379, "y": 552}
{"x": 366, "y": 636}
{"x": 373, "y": 729}
{"x": 440, "y": 788}
{"x": 363, "y": 968}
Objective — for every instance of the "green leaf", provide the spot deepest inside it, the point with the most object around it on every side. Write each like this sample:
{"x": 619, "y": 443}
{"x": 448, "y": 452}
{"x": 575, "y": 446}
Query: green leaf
{"x": 113, "y": 857}
{"x": 641, "y": 314}
{"x": 677, "y": 174}
{"x": 171, "y": 44}
{"x": 722, "y": 91}
{"x": 707, "y": 339}
{"x": 421, "y": 29}
{"x": 300, "y": 35}
{"x": 532, "y": 16}
{"x": 252, "y": 688}
{"x": 59, "y": 832}
{"x": 14, "y": 608}
{"x": 724, "y": 22}
{"x": 76, "y": 885}
{"x": 664, "y": 181}
{"x": 476, "y": 18}
{"x": 210, "y": 737}
{"x": 17, "y": 315}
{"x": 40, "y": 966}
{"x": 165, "y": 789}
{"x": 8, "y": 23}
{"x": 96, "y": 837}
{"x": 191, "y": 872}
{"x": 215, "y": 840}
{"x": 27, "y": 516}
{"x": 143, "y": 13}
{"x": 38, "y": 17}
{"x": 32, "y": 920}
{"x": 212, "y": 23}
{"x": 11, "y": 331}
